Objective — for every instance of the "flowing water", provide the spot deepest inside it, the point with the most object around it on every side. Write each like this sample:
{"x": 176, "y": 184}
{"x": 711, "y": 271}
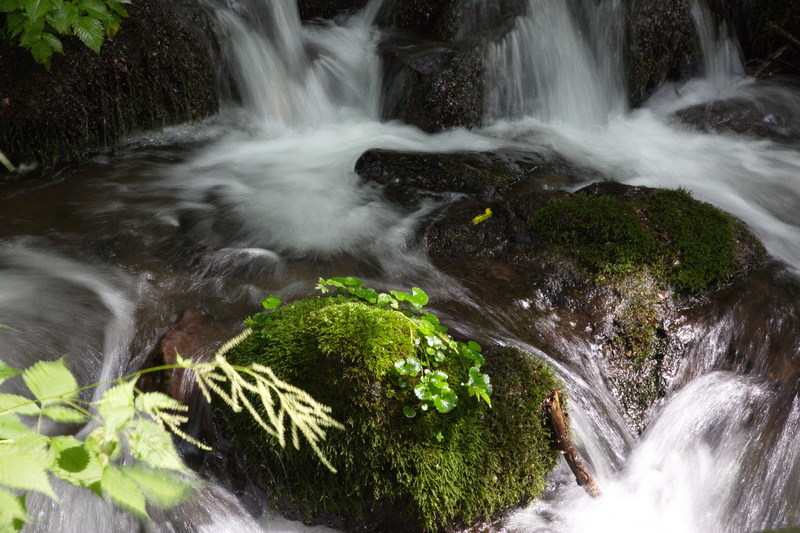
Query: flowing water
{"x": 98, "y": 259}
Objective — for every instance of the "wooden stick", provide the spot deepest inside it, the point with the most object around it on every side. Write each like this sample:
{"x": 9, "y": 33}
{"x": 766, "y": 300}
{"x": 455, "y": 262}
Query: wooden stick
{"x": 785, "y": 34}
{"x": 560, "y": 429}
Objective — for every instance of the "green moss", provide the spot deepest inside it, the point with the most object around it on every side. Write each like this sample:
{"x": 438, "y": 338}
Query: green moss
{"x": 433, "y": 470}
{"x": 687, "y": 244}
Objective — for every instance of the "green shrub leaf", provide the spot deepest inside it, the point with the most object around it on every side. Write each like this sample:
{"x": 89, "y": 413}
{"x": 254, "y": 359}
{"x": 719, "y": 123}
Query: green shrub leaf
{"x": 160, "y": 487}
{"x": 61, "y": 413}
{"x": 12, "y": 511}
{"x": 151, "y": 443}
{"x": 7, "y": 372}
{"x": 51, "y": 379}
{"x": 14, "y": 403}
{"x": 24, "y": 471}
{"x": 124, "y": 491}
{"x": 116, "y": 407}
{"x": 90, "y": 31}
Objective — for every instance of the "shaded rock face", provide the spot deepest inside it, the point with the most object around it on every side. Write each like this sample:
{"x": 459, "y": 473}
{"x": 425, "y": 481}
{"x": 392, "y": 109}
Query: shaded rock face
{"x": 156, "y": 71}
{"x": 662, "y": 45}
{"x": 430, "y": 86}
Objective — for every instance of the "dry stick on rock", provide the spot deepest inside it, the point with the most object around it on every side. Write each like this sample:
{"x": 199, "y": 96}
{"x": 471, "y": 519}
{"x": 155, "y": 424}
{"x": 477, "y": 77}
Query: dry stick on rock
{"x": 785, "y": 34}
{"x": 558, "y": 423}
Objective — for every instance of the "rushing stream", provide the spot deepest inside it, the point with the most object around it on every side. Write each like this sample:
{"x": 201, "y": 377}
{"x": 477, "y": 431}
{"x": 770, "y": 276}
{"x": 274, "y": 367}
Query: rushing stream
{"x": 98, "y": 259}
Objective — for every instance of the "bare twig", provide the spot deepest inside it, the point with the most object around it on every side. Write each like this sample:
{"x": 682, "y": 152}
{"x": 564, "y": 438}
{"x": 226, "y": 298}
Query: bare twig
{"x": 6, "y": 163}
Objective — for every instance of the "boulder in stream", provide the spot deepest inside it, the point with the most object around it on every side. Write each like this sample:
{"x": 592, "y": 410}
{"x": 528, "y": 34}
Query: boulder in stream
{"x": 613, "y": 264}
{"x": 395, "y": 473}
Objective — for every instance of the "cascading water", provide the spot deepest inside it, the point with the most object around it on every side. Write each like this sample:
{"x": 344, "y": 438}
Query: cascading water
{"x": 561, "y": 63}
{"x": 100, "y": 259}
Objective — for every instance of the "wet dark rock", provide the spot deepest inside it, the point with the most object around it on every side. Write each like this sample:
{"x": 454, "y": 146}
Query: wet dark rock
{"x": 621, "y": 290}
{"x": 156, "y": 71}
{"x": 430, "y": 86}
{"x": 662, "y": 45}
{"x": 770, "y": 112}
{"x": 328, "y": 9}
{"x": 483, "y": 175}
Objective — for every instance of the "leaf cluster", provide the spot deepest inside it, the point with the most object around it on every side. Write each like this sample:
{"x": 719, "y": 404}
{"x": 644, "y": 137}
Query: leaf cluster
{"x": 433, "y": 346}
{"x": 37, "y": 24}
{"x": 126, "y": 419}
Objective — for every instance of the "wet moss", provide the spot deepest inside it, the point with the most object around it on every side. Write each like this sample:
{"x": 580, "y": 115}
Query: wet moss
{"x": 687, "y": 244}
{"x": 394, "y": 473}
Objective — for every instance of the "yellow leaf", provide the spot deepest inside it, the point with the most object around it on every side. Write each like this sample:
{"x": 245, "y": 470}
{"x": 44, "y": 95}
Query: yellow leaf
{"x": 480, "y": 218}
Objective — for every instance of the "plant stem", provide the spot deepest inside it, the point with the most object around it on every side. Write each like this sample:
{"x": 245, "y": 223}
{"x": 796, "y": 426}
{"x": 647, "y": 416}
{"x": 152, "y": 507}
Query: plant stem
{"x": 6, "y": 163}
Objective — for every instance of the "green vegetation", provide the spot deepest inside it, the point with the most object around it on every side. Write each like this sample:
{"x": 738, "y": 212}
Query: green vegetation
{"x": 139, "y": 422}
{"x": 37, "y": 24}
{"x": 434, "y": 462}
{"x": 687, "y": 244}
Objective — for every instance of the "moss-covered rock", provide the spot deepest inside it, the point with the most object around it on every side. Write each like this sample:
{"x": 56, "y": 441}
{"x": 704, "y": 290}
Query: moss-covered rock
{"x": 615, "y": 263}
{"x": 394, "y": 473}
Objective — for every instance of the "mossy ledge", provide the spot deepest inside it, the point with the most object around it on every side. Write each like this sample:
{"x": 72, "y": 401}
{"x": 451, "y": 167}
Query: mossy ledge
{"x": 427, "y": 473}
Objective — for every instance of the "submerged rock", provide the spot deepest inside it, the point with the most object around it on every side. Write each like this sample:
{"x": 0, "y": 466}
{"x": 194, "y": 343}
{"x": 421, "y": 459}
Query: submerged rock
{"x": 156, "y": 71}
{"x": 408, "y": 175}
{"x": 766, "y": 111}
{"x": 616, "y": 264}
{"x": 395, "y": 473}
{"x": 327, "y": 9}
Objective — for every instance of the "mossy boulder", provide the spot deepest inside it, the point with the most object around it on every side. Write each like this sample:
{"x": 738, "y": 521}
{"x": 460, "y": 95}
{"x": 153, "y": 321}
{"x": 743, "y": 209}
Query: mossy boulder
{"x": 612, "y": 263}
{"x": 394, "y": 473}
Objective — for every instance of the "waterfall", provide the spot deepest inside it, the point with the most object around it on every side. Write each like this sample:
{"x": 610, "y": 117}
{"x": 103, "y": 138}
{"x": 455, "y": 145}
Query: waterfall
{"x": 562, "y": 62}
{"x": 722, "y": 61}
{"x": 293, "y": 75}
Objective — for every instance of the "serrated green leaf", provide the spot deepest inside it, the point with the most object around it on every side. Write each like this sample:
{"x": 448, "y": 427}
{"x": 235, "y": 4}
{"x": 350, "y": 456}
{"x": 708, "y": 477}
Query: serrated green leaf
{"x": 37, "y": 9}
{"x": 152, "y": 444}
{"x": 7, "y": 372}
{"x": 90, "y": 31}
{"x": 11, "y": 427}
{"x": 61, "y": 413}
{"x": 95, "y": 8}
{"x": 47, "y": 379}
{"x": 15, "y": 23}
{"x": 123, "y": 491}
{"x": 161, "y": 488}
{"x": 13, "y": 513}
{"x": 14, "y": 403}
{"x": 24, "y": 471}
{"x": 116, "y": 407}
{"x": 53, "y": 41}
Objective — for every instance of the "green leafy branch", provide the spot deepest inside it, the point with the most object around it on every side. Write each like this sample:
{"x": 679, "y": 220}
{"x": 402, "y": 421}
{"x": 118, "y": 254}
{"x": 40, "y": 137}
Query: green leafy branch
{"x": 37, "y": 24}
{"x": 433, "y": 346}
{"x": 127, "y": 418}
